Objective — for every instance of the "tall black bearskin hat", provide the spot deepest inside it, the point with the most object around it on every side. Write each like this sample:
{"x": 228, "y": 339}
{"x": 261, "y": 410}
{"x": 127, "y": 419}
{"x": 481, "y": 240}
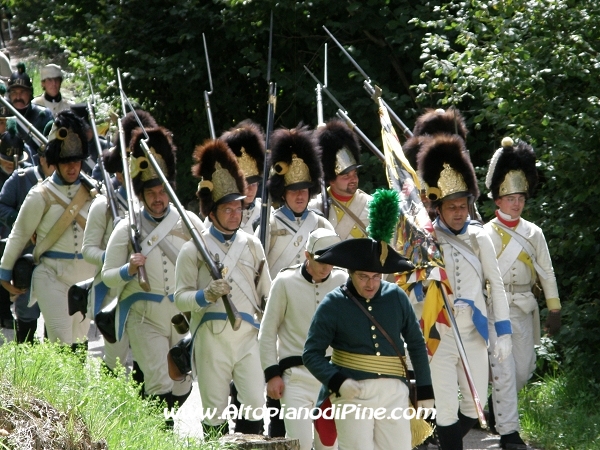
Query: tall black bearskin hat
{"x": 435, "y": 121}
{"x": 247, "y": 142}
{"x": 112, "y": 160}
{"x": 512, "y": 170}
{"x": 221, "y": 178}
{"x": 340, "y": 149}
{"x": 446, "y": 169}
{"x": 160, "y": 143}
{"x": 130, "y": 123}
{"x": 67, "y": 140}
{"x": 11, "y": 143}
{"x": 295, "y": 162}
{"x": 81, "y": 110}
{"x": 20, "y": 79}
{"x": 412, "y": 147}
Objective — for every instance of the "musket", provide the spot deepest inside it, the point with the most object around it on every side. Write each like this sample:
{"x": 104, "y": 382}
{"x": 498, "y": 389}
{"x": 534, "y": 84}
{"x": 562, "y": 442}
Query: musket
{"x": 211, "y": 127}
{"x": 272, "y": 103}
{"x": 42, "y": 141}
{"x": 373, "y": 91}
{"x": 463, "y": 359}
{"x": 232, "y": 313}
{"x": 134, "y": 220}
{"x": 321, "y": 123}
{"x": 110, "y": 192}
{"x": 25, "y": 125}
{"x": 343, "y": 114}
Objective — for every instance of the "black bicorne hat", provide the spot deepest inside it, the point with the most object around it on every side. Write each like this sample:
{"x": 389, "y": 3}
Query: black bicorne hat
{"x": 247, "y": 142}
{"x": 364, "y": 254}
{"x": 340, "y": 149}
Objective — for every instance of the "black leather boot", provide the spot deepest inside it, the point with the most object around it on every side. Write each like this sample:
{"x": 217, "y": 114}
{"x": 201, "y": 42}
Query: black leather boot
{"x": 450, "y": 437}
{"x": 276, "y": 424}
{"x": 137, "y": 375}
{"x": 466, "y": 423}
{"x": 168, "y": 399}
{"x": 512, "y": 441}
{"x": 179, "y": 400}
{"x": 26, "y": 331}
{"x": 492, "y": 416}
{"x": 250, "y": 426}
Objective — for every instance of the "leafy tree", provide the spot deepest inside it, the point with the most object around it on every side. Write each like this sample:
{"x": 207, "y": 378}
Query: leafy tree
{"x": 159, "y": 46}
{"x": 529, "y": 69}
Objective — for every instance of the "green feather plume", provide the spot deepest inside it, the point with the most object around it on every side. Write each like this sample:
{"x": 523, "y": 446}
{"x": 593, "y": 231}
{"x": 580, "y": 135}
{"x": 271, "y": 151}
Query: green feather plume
{"x": 2, "y": 89}
{"x": 383, "y": 215}
{"x": 11, "y": 126}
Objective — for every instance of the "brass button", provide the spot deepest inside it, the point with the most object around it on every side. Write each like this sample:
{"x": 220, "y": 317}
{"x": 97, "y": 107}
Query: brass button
{"x": 378, "y": 354}
{"x": 370, "y": 308}
{"x": 376, "y": 345}
{"x": 374, "y": 336}
{"x": 373, "y": 327}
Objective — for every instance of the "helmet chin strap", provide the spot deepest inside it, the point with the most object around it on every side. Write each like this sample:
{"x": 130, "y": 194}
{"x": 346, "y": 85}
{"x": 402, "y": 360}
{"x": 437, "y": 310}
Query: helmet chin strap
{"x": 147, "y": 207}
{"x": 222, "y": 227}
{"x": 63, "y": 178}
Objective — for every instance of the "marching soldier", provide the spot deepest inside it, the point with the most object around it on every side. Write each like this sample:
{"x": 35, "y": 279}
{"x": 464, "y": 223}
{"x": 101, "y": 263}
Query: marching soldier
{"x": 295, "y": 294}
{"x": 470, "y": 264}
{"x": 20, "y": 92}
{"x": 11, "y": 152}
{"x": 221, "y": 354}
{"x": 247, "y": 142}
{"x": 51, "y": 78}
{"x": 296, "y": 178}
{"x": 523, "y": 259}
{"x": 55, "y": 212}
{"x": 348, "y": 206}
{"x": 12, "y": 196}
{"x": 146, "y": 316}
{"x": 365, "y": 368}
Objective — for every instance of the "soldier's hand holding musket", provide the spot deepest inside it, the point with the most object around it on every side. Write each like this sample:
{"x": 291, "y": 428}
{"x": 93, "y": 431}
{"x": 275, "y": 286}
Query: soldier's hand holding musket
{"x": 136, "y": 260}
{"x": 216, "y": 289}
{"x": 12, "y": 289}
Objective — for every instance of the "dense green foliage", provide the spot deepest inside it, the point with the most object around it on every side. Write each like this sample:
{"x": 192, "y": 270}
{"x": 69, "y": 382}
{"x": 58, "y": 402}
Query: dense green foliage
{"x": 525, "y": 68}
{"x": 529, "y": 69}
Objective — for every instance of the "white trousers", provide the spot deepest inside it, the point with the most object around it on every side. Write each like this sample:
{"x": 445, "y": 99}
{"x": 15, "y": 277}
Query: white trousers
{"x": 358, "y": 433}
{"x": 116, "y": 352}
{"x": 448, "y": 375}
{"x": 50, "y": 284}
{"x": 509, "y": 376}
{"x": 223, "y": 356}
{"x": 301, "y": 393}
{"x": 150, "y": 342}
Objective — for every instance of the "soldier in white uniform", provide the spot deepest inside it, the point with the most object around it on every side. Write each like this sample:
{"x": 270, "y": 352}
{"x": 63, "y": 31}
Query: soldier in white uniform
{"x": 470, "y": 264}
{"x": 221, "y": 354}
{"x": 523, "y": 259}
{"x": 51, "y": 77}
{"x": 247, "y": 142}
{"x": 55, "y": 211}
{"x": 295, "y": 294}
{"x": 295, "y": 160}
{"x": 146, "y": 316}
{"x": 348, "y": 206}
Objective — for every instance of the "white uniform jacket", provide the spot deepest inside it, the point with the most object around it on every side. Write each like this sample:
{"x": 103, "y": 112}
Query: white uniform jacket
{"x": 287, "y": 237}
{"x": 241, "y": 258}
{"x": 55, "y": 107}
{"x": 160, "y": 266}
{"x": 470, "y": 262}
{"x": 293, "y": 300}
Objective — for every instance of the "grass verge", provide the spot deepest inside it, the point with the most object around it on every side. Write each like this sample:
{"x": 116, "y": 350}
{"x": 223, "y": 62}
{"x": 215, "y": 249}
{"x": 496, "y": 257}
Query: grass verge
{"x": 560, "y": 412}
{"x": 109, "y": 406}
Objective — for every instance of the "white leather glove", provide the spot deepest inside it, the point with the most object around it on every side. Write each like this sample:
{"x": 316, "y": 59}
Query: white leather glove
{"x": 215, "y": 290}
{"x": 503, "y": 347}
{"x": 428, "y": 406}
{"x": 350, "y": 388}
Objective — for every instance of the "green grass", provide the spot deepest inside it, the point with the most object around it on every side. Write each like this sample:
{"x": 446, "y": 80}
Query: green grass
{"x": 561, "y": 411}
{"x": 110, "y": 407}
